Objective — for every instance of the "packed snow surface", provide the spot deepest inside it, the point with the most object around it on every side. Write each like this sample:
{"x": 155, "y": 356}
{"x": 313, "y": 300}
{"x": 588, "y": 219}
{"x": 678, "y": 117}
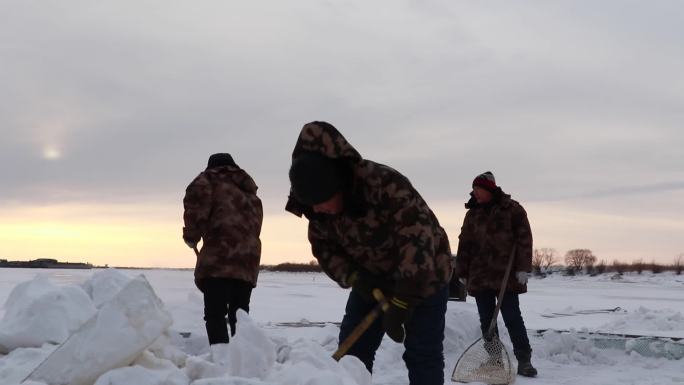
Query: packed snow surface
{"x": 291, "y": 331}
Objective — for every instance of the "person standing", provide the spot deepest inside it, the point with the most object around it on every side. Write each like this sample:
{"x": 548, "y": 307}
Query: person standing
{"x": 223, "y": 210}
{"x": 369, "y": 228}
{"x": 494, "y": 224}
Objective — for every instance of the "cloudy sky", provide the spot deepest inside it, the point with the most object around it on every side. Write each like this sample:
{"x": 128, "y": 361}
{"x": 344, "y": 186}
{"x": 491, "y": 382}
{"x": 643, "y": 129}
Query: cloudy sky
{"x": 108, "y": 110}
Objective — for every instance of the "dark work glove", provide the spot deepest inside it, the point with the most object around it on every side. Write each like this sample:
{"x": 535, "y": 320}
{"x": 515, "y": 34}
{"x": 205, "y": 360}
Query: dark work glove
{"x": 191, "y": 237}
{"x": 364, "y": 283}
{"x": 395, "y": 319}
{"x": 457, "y": 289}
{"x": 190, "y": 240}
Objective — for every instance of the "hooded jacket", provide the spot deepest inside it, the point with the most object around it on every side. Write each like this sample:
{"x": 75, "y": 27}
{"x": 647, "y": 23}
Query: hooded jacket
{"x": 222, "y": 208}
{"x": 386, "y": 227}
{"x": 486, "y": 241}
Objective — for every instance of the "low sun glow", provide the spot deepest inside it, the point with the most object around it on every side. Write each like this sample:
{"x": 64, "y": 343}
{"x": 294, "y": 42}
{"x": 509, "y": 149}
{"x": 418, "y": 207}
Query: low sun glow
{"x": 51, "y": 153}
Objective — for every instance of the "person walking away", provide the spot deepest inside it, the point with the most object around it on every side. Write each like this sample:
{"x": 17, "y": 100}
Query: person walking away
{"x": 221, "y": 208}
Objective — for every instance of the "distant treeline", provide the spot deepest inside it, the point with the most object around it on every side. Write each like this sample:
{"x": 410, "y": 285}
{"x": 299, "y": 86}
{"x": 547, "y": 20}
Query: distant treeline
{"x": 583, "y": 261}
{"x": 311, "y": 267}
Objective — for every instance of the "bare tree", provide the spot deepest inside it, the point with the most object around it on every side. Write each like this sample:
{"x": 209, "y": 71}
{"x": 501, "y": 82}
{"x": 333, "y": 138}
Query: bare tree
{"x": 619, "y": 267}
{"x": 638, "y": 266}
{"x": 656, "y": 268}
{"x": 537, "y": 261}
{"x": 576, "y": 259}
{"x": 589, "y": 262}
{"x": 679, "y": 264}
{"x": 549, "y": 257}
{"x": 601, "y": 266}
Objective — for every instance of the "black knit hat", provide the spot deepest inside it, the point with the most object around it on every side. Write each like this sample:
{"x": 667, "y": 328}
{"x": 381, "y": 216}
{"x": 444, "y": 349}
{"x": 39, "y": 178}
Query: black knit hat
{"x": 486, "y": 181}
{"x": 220, "y": 159}
{"x": 314, "y": 178}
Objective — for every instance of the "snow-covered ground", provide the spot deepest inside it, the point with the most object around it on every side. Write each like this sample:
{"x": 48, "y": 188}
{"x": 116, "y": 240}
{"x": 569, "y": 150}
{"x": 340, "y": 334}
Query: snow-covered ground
{"x": 45, "y": 310}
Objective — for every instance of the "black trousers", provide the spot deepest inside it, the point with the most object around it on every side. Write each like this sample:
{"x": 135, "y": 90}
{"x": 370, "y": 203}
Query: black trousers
{"x": 510, "y": 310}
{"x": 223, "y": 296}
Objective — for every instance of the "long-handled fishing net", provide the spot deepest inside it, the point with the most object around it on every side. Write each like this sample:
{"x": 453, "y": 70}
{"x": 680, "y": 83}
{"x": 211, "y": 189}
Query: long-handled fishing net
{"x": 487, "y": 360}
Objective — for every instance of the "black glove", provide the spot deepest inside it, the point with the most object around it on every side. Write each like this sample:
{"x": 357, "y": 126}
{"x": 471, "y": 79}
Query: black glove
{"x": 190, "y": 240}
{"x": 395, "y": 319}
{"x": 364, "y": 283}
{"x": 458, "y": 291}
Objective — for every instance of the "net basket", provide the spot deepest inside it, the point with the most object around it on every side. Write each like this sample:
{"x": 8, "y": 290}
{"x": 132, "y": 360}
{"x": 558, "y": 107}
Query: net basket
{"x": 485, "y": 361}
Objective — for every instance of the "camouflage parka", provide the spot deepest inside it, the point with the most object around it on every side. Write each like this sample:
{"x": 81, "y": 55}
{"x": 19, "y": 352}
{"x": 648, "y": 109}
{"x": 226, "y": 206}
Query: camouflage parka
{"x": 486, "y": 242}
{"x": 386, "y": 227}
{"x": 222, "y": 208}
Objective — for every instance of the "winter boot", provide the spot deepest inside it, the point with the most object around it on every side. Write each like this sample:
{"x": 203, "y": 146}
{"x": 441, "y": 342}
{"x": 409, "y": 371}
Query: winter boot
{"x": 526, "y": 369}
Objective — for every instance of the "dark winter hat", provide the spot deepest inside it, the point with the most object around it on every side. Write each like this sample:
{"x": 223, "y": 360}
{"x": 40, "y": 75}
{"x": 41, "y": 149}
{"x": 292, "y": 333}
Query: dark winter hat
{"x": 486, "y": 181}
{"x": 314, "y": 178}
{"x": 220, "y": 159}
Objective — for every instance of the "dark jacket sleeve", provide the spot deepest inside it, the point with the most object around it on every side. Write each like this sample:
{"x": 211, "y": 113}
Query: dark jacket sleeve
{"x": 466, "y": 242}
{"x": 329, "y": 255}
{"x": 523, "y": 234}
{"x": 197, "y": 205}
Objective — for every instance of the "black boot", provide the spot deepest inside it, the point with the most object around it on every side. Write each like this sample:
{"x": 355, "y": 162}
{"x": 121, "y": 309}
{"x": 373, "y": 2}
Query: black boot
{"x": 526, "y": 369}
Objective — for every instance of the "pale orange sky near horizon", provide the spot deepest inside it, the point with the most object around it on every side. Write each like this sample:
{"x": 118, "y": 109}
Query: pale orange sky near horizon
{"x": 149, "y": 236}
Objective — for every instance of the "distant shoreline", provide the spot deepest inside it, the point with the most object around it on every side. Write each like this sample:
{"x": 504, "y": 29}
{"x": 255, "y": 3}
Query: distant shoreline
{"x": 82, "y": 266}
{"x": 44, "y": 263}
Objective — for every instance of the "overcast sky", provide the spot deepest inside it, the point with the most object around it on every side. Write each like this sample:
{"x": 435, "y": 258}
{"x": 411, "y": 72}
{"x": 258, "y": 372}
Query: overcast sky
{"x": 108, "y": 110}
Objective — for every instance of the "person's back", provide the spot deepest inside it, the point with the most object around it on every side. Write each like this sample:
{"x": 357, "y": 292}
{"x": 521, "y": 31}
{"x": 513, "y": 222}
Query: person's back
{"x": 223, "y": 210}
{"x": 390, "y": 215}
